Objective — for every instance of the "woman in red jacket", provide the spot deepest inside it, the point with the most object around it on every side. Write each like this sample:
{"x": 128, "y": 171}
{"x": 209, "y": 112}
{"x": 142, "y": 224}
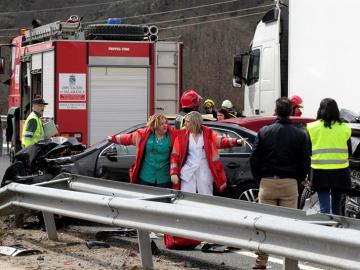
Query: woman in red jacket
{"x": 195, "y": 157}
{"x": 153, "y": 148}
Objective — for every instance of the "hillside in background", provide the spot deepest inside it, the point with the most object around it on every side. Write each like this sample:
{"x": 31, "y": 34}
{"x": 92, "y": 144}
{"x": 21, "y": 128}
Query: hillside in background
{"x": 210, "y": 41}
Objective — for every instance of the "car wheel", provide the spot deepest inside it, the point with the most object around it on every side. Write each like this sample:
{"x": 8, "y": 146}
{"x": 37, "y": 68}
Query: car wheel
{"x": 248, "y": 192}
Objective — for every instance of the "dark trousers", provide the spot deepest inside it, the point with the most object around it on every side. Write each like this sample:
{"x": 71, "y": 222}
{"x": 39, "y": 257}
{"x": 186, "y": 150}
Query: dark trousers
{"x": 162, "y": 185}
{"x": 330, "y": 199}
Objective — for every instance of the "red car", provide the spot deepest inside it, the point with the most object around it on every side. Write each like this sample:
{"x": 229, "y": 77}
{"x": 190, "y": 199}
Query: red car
{"x": 255, "y": 123}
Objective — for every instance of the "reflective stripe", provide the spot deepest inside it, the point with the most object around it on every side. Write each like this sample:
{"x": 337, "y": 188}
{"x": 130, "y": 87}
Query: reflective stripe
{"x": 223, "y": 186}
{"x": 218, "y": 141}
{"x": 330, "y": 150}
{"x": 174, "y": 152}
{"x": 38, "y": 137}
{"x": 216, "y": 157}
{"x": 329, "y": 161}
{"x": 117, "y": 138}
{"x": 133, "y": 139}
{"x": 137, "y": 140}
{"x": 28, "y": 133}
{"x": 232, "y": 142}
{"x": 173, "y": 165}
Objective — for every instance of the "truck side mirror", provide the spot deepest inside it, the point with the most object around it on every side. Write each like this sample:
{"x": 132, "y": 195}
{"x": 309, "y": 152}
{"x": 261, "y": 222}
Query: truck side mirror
{"x": 2, "y": 65}
{"x": 237, "y": 75}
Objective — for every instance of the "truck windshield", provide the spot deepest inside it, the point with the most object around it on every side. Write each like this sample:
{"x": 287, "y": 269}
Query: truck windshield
{"x": 253, "y": 69}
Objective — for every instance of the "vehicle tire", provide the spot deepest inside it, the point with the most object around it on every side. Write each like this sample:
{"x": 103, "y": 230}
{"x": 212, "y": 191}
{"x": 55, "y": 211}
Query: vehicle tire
{"x": 15, "y": 169}
{"x": 248, "y": 191}
{"x": 114, "y": 32}
{"x": 306, "y": 193}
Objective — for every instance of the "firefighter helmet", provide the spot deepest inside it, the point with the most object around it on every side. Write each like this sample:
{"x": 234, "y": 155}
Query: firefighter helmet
{"x": 209, "y": 102}
{"x": 227, "y": 104}
{"x": 296, "y": 101}
{"x": 190, "y": 99}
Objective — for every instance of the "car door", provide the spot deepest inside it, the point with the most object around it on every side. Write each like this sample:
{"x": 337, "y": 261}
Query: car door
{"x": 235, "y": 160}
{"x": 114, "y": 162}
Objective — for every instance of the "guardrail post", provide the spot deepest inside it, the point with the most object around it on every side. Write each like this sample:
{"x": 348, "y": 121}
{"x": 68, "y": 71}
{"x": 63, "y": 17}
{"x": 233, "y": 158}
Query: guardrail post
{"x": 290, "y": 264}
{"x": 1, "y": 138}
{"x": 50, "y": 225}
{"x": 145, "y": 250}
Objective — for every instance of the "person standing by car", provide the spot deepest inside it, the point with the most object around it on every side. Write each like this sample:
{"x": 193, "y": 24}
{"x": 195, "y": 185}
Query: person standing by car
{"x": 153, "y": 148}
{"x": 209, "y": 107}
{"x": 33, "y": 130}
{"x": 190, "y": 101}
{"x": 297, "y": 105}
{"x": 280, "y": 161}
{"x": 331, "y": 148}
{"x": 222, "y": 114}
{"x": 195, "y": 162}
{"x": 228, "y": 105}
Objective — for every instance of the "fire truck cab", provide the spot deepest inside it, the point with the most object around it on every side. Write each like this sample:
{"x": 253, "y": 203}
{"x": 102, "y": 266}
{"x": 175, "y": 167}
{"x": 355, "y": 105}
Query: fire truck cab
{"x": 97, "y": 81}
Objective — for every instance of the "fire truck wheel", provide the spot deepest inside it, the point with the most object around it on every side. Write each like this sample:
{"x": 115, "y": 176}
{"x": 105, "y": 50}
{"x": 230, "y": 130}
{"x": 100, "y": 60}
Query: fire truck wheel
{"x": 114, "y": 31}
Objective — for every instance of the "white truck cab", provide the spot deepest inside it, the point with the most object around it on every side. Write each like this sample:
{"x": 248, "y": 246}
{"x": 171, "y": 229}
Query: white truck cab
{"x": 309, "y": 49}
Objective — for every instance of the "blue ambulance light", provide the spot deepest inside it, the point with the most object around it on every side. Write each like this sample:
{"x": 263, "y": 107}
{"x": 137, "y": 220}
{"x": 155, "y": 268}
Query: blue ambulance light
{"x": 114, "y": 21}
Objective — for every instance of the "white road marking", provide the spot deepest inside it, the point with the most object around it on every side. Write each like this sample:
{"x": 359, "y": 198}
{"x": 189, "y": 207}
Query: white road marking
{"x": 276, "y": 260}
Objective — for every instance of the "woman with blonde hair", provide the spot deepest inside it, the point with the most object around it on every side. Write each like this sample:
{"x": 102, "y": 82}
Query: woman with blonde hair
{"x": 153, "y": 148}
{"x": 195, "y": 163}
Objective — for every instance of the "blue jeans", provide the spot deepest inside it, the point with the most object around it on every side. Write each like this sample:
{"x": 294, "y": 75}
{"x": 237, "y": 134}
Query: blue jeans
{"x": 330, "y": 198}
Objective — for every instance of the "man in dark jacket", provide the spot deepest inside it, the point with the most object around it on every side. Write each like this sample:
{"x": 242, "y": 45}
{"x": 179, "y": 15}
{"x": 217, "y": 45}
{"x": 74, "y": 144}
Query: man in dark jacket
{"x": 280, "y": 161}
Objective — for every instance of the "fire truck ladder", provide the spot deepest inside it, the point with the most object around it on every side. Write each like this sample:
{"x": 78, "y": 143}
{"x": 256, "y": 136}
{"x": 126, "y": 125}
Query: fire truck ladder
{"x": 55, "y": 30}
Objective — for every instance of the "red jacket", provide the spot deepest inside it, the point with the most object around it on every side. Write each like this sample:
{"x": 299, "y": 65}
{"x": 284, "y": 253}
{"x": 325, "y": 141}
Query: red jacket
{"x": 139, "y": 138}
{"x": 212, "y": 143}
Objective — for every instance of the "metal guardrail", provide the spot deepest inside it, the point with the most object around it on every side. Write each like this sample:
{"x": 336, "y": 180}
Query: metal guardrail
{"x": 116, "y": 188}
{"x": 274, "y": 230}
{"x": 3, "y": 119}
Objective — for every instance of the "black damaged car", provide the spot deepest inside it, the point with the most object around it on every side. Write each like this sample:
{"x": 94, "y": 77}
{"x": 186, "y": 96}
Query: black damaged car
{"x": 111, "y": 161}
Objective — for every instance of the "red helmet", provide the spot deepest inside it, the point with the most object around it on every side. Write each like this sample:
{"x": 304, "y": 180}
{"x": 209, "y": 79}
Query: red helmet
{"x": 296, "y": 101}
{"x": 190, "y": 99}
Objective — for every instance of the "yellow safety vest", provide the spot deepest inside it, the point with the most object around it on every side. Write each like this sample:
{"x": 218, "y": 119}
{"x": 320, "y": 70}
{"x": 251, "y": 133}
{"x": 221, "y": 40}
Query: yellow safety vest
{"x": 329, "y": 145}
{"x": 38, "y": 135}
{"x": 180, "y": 120}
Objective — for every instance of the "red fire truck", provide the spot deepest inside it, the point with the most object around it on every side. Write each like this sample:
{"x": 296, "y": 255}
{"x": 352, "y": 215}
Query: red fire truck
{"x": 97, "y": 80}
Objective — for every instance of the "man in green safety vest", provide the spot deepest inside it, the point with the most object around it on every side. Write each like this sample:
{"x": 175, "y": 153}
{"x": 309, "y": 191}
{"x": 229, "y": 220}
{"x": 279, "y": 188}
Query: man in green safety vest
{"x": 33, "y": 130}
